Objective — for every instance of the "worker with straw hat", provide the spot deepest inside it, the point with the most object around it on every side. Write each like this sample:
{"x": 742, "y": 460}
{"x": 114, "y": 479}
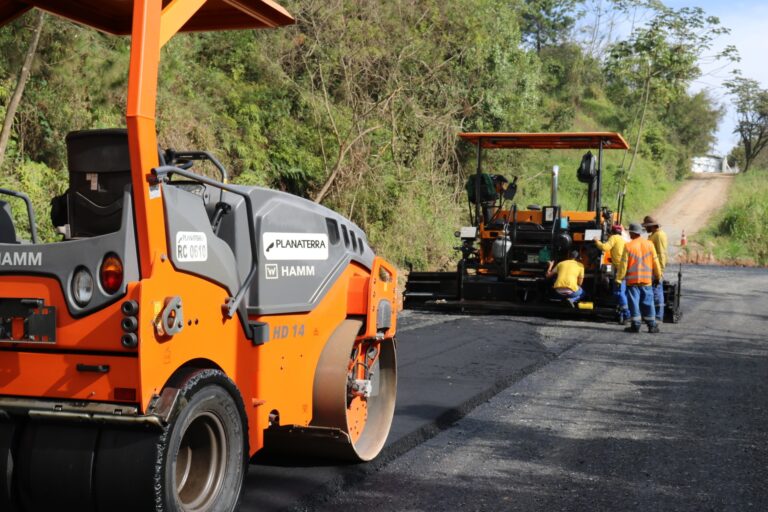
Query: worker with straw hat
{"x": 659, "y": 240}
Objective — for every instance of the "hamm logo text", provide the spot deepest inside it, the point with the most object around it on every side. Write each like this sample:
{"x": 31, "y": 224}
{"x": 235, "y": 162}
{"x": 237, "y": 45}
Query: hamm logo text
{"x": 21, "y": 259}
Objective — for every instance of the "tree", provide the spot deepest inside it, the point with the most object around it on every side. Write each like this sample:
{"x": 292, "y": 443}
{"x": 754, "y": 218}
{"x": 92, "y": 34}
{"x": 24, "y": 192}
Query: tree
{"x": 655, "y": 65}
{"x": 663, "y": 55}
{"x": 692, "y": 120}
{"x": 751, "y": 103}
{"x": 548, "y": 22}
{"x": 21, "y": 83}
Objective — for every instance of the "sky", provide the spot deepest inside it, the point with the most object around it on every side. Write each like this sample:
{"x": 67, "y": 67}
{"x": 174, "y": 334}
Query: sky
{"x": 748, "y": 21}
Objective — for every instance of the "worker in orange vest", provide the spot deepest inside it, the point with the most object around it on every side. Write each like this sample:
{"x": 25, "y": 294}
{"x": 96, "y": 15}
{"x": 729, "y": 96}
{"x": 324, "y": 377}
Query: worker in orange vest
{"x": 640, "y": 266}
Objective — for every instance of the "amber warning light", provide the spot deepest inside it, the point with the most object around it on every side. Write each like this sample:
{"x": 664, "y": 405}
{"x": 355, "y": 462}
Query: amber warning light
{"x": 111, "y": 274}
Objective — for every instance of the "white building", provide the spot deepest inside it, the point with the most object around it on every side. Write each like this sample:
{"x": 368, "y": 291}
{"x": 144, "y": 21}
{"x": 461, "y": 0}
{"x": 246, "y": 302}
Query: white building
{"x": 712, "y": 164}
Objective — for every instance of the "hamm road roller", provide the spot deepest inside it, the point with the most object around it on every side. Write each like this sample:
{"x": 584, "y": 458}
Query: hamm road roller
{"x": 182, "y": 323}
{"x": 506, "y": 250}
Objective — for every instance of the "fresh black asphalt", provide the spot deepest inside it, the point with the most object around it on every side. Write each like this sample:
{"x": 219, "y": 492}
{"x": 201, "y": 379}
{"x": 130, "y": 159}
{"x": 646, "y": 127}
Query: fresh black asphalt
{"x": 447, "y": 365}
{"x": 565, "y": 415}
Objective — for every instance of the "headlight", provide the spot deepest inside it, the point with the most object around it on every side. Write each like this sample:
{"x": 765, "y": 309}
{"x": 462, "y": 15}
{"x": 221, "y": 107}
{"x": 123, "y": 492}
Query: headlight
{"x": 82, "y": 287}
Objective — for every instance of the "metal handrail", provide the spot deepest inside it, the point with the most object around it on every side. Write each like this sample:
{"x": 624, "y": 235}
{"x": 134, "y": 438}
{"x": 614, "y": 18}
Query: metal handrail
{"x": 199, "y": 155}
{"x": 30, "y": 211}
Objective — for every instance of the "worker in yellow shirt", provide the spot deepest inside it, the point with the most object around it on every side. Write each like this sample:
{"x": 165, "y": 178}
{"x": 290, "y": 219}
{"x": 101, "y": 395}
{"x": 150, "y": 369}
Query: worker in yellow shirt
{"x": 570, "y": 276}
{"x": 659, "y": 240}
{"x": 615, "y": 244}
{"x": 640, "y": 266}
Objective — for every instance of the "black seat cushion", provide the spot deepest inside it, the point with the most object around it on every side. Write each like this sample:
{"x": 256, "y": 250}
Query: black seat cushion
{"x": 99, "y": 171}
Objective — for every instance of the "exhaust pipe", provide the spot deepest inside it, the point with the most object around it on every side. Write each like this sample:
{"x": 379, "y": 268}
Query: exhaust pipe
{"x": 555, "y": 172}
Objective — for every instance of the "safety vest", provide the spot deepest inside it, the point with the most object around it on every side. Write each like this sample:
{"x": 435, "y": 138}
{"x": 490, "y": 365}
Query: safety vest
{"x": 639, "y": 262}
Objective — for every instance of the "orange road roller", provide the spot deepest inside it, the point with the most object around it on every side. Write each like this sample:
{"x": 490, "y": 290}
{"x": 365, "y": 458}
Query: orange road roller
{"x": 182, "y": 323}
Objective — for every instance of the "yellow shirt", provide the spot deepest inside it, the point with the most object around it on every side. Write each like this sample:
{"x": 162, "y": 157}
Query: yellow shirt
{"x": 615, "y": 244}
{"x": 659, "y": 239}
{"x": 568, "y": 273}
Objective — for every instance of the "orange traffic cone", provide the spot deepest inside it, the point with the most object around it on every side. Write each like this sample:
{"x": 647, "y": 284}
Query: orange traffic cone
{"x": 683, "y": 240}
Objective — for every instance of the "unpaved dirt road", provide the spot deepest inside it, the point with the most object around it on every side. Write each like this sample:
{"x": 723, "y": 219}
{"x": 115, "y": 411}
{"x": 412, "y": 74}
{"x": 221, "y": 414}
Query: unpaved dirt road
{"x": 692, "y": 206}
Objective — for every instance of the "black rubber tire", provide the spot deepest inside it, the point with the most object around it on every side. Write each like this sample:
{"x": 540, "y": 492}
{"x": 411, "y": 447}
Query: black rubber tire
{"x": 55, "y": 465}
{"x": 125, "y": 454}
{"x": 8, "y": 430}
{"x": 208, "y": 437}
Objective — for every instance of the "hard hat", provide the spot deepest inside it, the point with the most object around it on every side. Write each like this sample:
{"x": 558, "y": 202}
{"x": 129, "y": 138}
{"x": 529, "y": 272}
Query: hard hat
{"x": 635, "y": 228}
{"x": 617, "y": 228}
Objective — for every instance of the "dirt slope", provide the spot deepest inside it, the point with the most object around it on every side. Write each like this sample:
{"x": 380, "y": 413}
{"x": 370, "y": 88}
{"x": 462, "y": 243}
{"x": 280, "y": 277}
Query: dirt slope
{"x": 692, "y": 206}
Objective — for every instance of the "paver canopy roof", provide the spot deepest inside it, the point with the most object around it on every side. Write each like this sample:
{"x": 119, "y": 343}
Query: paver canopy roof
{"x": 115, "y": 16}
{"x": 562, "y": 140}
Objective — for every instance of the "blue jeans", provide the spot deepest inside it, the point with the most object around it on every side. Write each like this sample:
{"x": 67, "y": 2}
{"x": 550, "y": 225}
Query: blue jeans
{"x": 641, "y": 305}
{"x": 572, "y": 296}
{"x": 620, "y": 294}
{"x": 658, "y": 298}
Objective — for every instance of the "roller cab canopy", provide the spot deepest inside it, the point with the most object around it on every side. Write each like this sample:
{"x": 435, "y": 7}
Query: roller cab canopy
{"x": 562, "y": 140}
{"x": 116, "y": 16}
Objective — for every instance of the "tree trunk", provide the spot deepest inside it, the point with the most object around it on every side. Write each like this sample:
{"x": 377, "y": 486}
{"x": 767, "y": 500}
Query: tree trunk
{"x": 13, "y": 104}
{"x": 647, "y": 94}
{"x": 343, "y": 150}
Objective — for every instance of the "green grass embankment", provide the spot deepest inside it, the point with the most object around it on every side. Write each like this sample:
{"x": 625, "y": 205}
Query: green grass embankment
{"x": 739, "y": 233}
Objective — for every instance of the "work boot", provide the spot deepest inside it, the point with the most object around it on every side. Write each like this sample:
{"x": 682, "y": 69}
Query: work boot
{"x": 633, "y": 328}
{"x": 653, "y": 329}
{"x": 624, "y": 316}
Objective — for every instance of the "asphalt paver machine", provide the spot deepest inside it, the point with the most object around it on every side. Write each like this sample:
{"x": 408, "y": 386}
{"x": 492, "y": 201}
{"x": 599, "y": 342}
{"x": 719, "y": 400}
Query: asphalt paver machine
{"x": 505, "y": 251}
{"x": 183, "y": 323}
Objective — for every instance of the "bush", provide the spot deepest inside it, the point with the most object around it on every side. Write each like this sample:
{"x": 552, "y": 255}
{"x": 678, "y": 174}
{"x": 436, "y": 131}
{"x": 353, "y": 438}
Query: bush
{"x": 740, "y": 232}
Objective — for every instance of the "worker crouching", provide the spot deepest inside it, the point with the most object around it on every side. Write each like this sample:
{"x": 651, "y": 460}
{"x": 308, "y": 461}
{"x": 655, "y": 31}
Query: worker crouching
{"x": 570, "y": 276}
{"x": 640, "y": 267}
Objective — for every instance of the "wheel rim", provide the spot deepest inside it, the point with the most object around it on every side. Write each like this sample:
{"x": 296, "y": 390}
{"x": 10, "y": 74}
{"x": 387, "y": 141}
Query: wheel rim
{"x": 201, "y": 462}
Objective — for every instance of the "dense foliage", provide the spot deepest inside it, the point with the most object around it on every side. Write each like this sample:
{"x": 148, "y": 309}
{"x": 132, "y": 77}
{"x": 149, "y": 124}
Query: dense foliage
{"x": 359, "y": 103}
